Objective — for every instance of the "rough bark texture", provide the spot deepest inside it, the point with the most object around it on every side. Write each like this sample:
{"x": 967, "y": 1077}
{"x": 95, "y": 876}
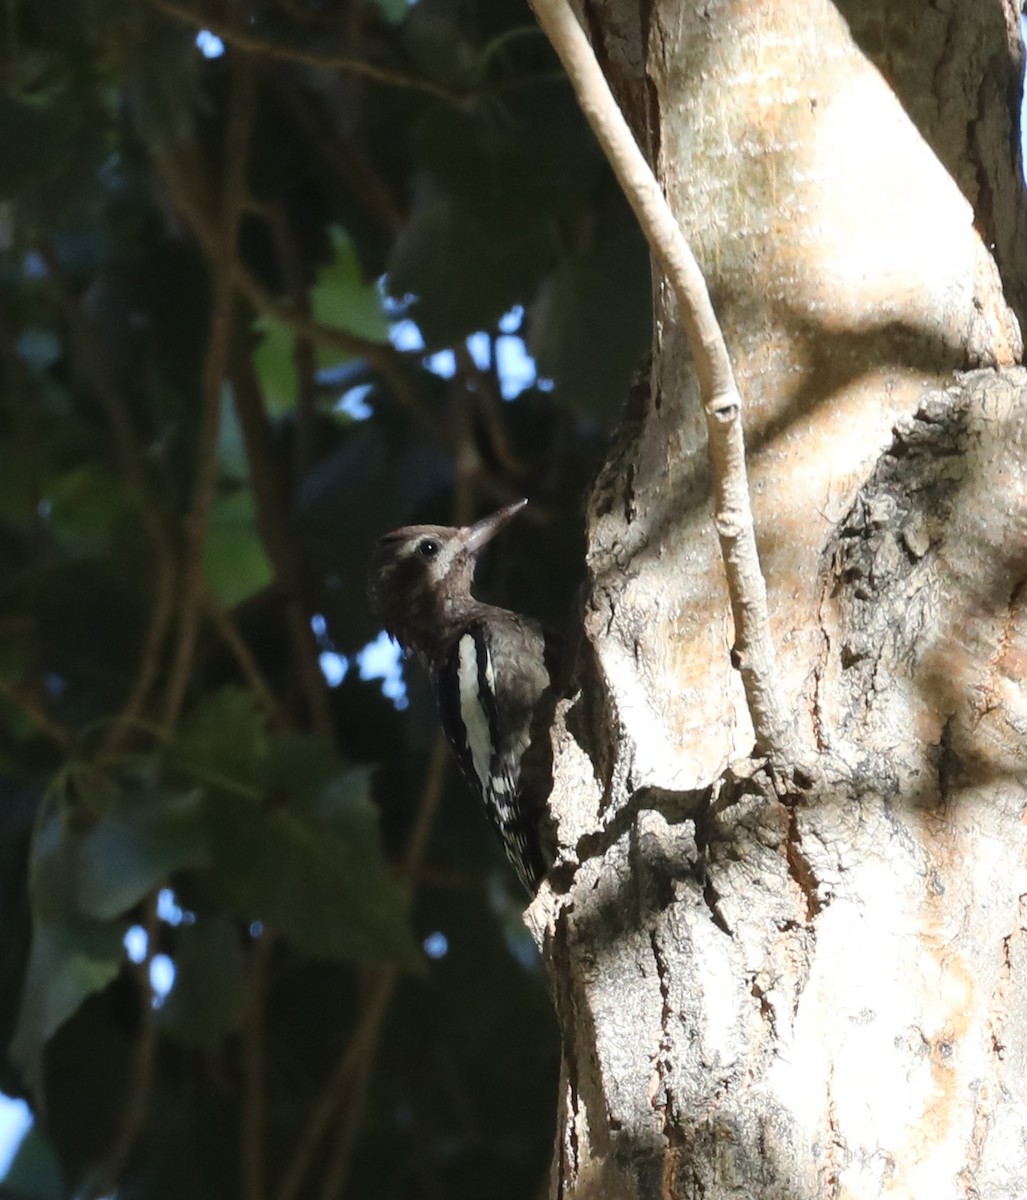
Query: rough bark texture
{"x": 764, "y": 992}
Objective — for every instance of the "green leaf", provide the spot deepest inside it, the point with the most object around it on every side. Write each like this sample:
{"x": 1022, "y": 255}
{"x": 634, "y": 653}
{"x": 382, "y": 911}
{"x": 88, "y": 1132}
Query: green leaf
{"x": 136, "y": 846}
{"x": 312, "y": 865}
{"x": 275, "y": 364}
{"x": 222, "y": 740}
{"x": 16, "y": 721}
{"x": 393, "y": 10}
{"x": 342, "y": 298}
{"x": 80, "y": 881}
{"x": 235, "y": 561}
{"x": 209, "y": 995}
{"x": 232, "y": 460}
{"x": 68, "y": 961}
{"x": 299, "y": 765}
{"x": 85, "y": 502}
{"x": 34, "y": 1173}
{"x": 53, "y": 879}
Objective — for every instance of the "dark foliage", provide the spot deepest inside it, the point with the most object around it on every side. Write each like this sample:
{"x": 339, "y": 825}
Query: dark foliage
{"x": 203, "y": 424}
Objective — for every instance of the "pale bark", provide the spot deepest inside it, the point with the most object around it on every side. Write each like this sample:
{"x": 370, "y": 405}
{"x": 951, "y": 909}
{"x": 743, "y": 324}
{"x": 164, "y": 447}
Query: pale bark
{"x": 769, "y": 995}
{"x": 753, "y": 648}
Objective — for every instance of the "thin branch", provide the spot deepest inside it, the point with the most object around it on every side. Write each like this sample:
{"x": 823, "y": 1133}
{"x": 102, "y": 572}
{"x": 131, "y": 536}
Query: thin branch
{"x": 466, "y": 459}
{"x": 243, "y": 655}
{"x": 116, "y": 410}
{"x": 253, "y": 1108}
{"x": 338, "y": 1166}
{"x": 90, "y": 354}
{"x": 277, "y": 52}
{"x": 345, "y": 1088}
{"x": 342, "y": 159}
{"x": 18, "y": 401}
{"x": 383, "y": 358}
{"x": 36, "y": 711}
{"x": 137, "y": 1102}
{"x": 427, "y": 809}
{"x": 334, "y": 1178}
{"x": 484, "y": 389}
{"x": 222, "y": 256}
{"x": 722, "y": 402}
{"x": 336, "y": 1090}
{"x": 287, "y": 252}
{"x": 278, "y": 542}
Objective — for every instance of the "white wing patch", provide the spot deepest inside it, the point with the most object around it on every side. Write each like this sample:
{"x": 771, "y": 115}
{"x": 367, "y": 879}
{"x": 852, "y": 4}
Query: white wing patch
{"x": 472, "y": 712}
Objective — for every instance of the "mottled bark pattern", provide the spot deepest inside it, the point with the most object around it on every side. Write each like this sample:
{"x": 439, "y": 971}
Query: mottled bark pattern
{"x": 787, "y": 988}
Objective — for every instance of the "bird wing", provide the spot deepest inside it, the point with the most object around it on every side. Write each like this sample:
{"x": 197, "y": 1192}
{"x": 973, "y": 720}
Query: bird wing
{"x": 469, "y": 706}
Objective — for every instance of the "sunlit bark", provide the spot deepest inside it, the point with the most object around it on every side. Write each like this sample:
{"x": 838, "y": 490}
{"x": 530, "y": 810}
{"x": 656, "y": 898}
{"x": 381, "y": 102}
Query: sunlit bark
{"x": 813, "y": 993}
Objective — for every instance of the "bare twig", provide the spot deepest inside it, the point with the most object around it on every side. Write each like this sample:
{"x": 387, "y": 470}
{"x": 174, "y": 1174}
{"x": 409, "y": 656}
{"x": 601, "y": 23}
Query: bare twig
{"x": 722, "y": 402}
{"x": 289, "y": 261}
{"x": 484, "y": 387}
{"x": 36, "y": 711}
{"x": 151, "y": 654}
{"x": 334, "y": 1178}
{"x": 345, "y": 1089}
{"x": 343, "y": 159}
{"x": 90, "y": 354}
{"x": 137, "y": 1102}
{"x": 252, "y": 1124}
{"x": 427, "y": 809}
{"x": 222, "y": 256}
{"x": 382, "y": 357}
{"x": 18, "y": 401}
{"x": 337, "y": 1089}
{"x": 338, "y": 1167}
{"x": 277, "y": 52}
{"x": 243, "y": 655}
{"x": 275, "y": 535}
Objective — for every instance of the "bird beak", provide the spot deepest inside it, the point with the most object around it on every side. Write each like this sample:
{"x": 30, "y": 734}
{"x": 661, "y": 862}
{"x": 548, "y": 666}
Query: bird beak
{"x": 478, "y": 535}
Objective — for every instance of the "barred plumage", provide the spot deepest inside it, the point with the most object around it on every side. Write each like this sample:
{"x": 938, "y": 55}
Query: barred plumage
{"x": 491, "y": 669}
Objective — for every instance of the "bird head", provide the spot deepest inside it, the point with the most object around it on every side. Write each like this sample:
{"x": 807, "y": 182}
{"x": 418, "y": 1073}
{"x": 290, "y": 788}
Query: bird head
{"x": 421, "y": 575}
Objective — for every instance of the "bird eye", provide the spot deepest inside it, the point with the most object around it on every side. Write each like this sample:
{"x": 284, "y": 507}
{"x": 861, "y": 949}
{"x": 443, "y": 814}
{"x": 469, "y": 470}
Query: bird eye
{"x": 428, "y": 548}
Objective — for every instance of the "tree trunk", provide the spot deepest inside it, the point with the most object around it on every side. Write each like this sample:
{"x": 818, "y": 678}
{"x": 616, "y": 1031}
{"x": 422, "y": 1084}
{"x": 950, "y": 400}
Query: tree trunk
{"x": 769, "y": 989}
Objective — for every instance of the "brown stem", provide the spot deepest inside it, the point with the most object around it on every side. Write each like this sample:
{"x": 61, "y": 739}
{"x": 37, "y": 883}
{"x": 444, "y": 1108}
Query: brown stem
{"x": 288, "y": 254}
{"x": 18, "y": 401}
{"x": 343, "y": 160}
{"x": 722, "y": 402}
{"x": 253, "y": 1108}
{"x": 336, "y": 1091}
{"x": 345, "y": 1089}
{"x": 243, "y": 655}
{"x": 427, "y": 809}
{"x": 388, "y": 362}
{"x": 334, "y": 1179}
{"x": 89, "y": 351}
{"x": 36, "y": 711}
{"x": 277, "y": 539}
{"x": 338, "y": 1166}
{"x": 222, "y": 256}
{"x": 483, "y": 388}
{"x": 137, "y": 1102}
{"x": 278, "y": 52}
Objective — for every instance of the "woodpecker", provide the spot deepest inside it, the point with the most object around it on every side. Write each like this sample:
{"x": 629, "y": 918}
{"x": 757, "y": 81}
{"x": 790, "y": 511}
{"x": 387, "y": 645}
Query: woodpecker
{"x": 492, "y": 672}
